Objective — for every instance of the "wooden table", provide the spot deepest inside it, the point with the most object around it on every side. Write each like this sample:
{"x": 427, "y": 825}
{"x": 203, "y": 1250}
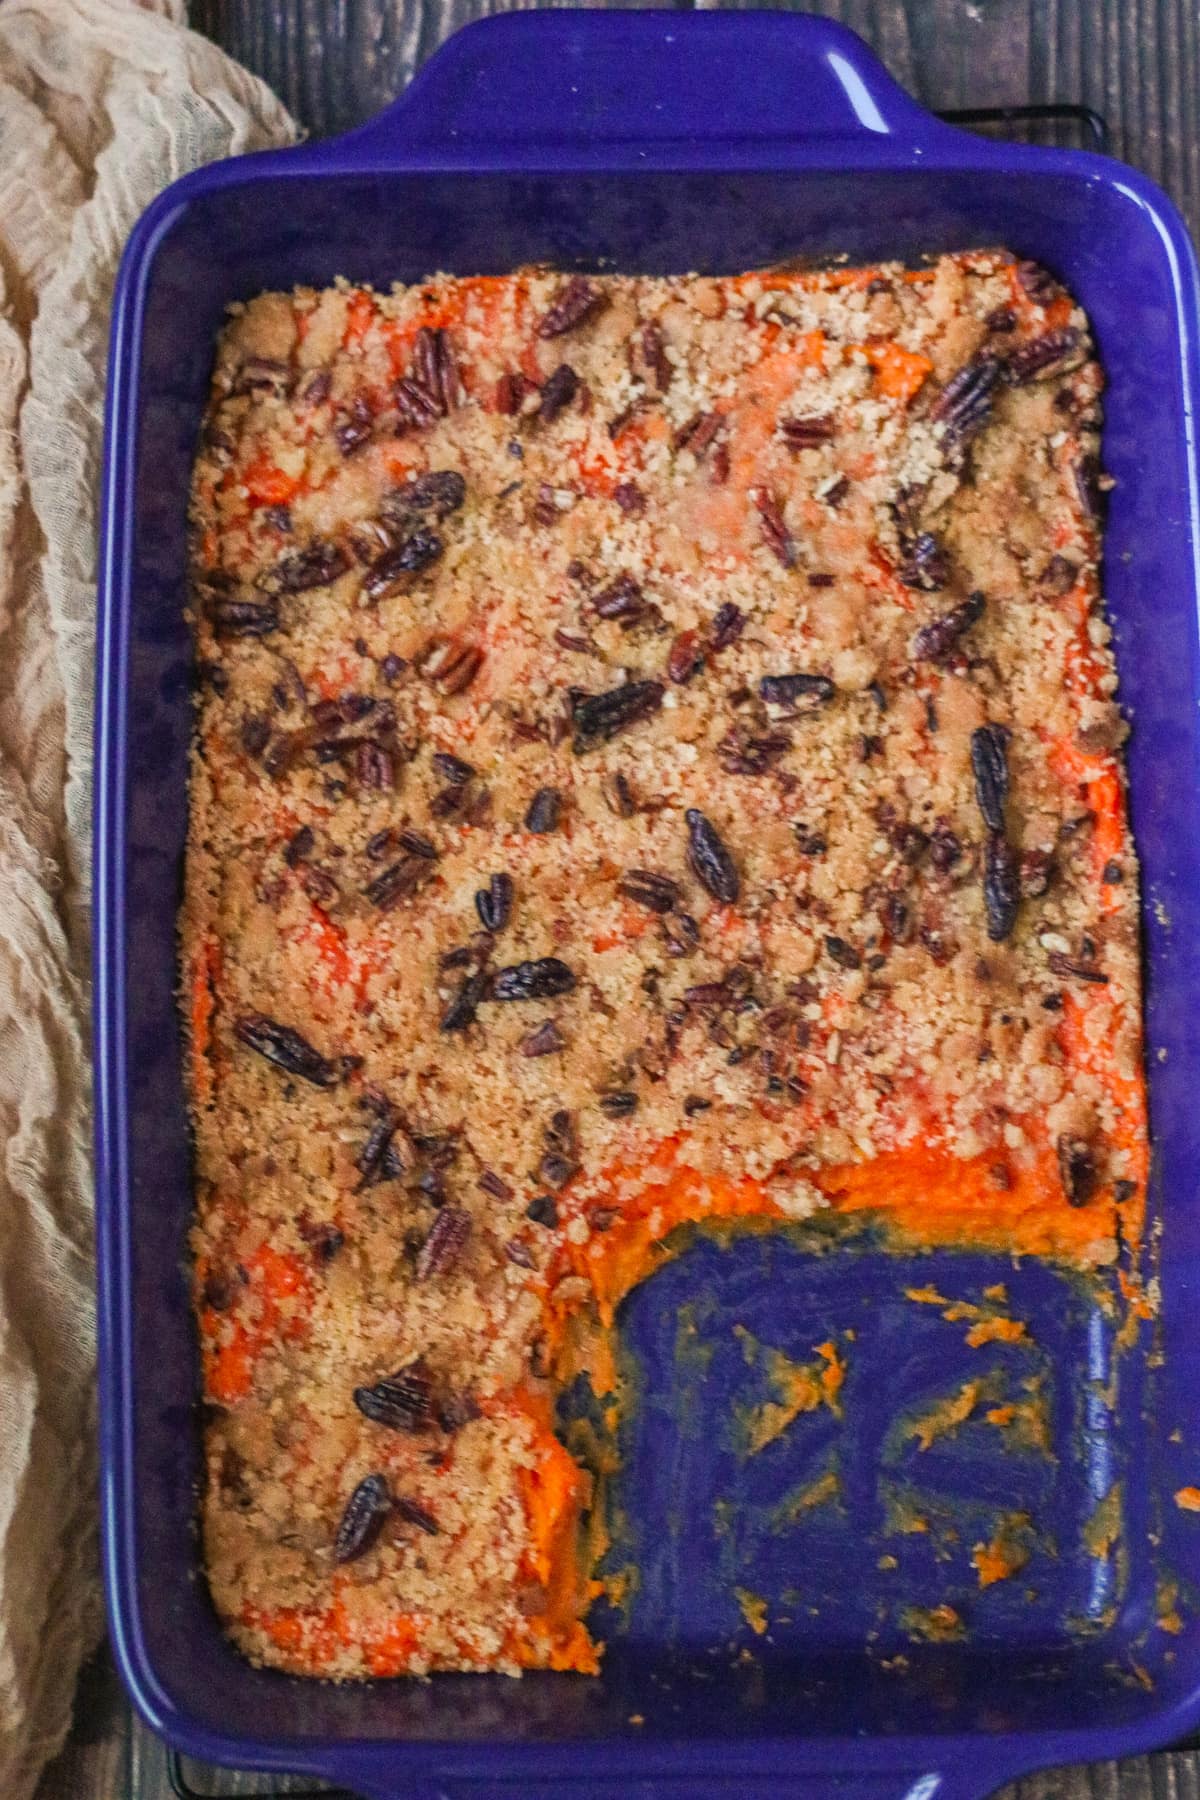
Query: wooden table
{"x": 335, "y": 62}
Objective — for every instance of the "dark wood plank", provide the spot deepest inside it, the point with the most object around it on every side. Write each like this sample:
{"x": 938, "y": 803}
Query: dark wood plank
{"x": 336, "y": 62}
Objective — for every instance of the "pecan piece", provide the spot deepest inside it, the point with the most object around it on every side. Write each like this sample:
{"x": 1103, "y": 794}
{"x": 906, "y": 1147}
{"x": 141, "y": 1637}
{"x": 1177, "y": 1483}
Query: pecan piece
{"x": 545, "y": 810}
{"x": 284, "y": 1047}
{"x": 558, "y": 391}
{"x": 282, "y": 751}
{"x": 775, "y": 533}
{"x": 698, "y": 434}
{"x": 1001, "y": 886}
{"x": 261, "y": 374}
{"x": 728, "y": 623}
{"x": 545, "y": 508}
{"x": 1036, "y": 869}
{"x": 379, "y": 1160}
{"x": 1038, "y": 283}
{"x": 319, "y": 885}
{"x": 989, "y": 762}
{"x": 599, "y": 717}
{"x": 580, "y": 299}
{"x": 685, "y": 657}
{"x": 619, "y": 796}
{"x": 657, "y": 893}
{"x": 560, "y": 1132}
{"x": 463, "y": 1007}
{"x": 217, "y": 1291}
{"x": 807, "y": 433}
{"x": 740, "y": 752}
{"x": 396, "y": 569}
{"x": 964, "y": 405}
{"x": 449, "y": 666}
{"x": 1077, "y": 1169}
{"x": 362, "y": 1520}
{"x": 710, "y": 860}
{"x": 1059, "y": 575}
{"x": 809, "y": 843}
{"x": 242, "y": 618}
{"x": 495, "y": 1185}
{"x": 413, "y": 1513}
{"x": 680, "y": 934}
{"x": 1092, "y": 486}
{"x": 401, "y": 1402}
{"x": 542, "y": 979}
{"x": 648, "y": 357}
{"x": 299, "y": 846}
{"x": 944, "y": 849}
{"x": 397, "y": 882}
{"x": 806, "y": 692}
{"x": 416, "y": 844}
{"x": 494, "y": 902}
{"x": 350, "y": 709}
{"x": 925, "y": 564}
{"x": 445, "y": 1244}
{"x": 937, "y": 640}
{"x": 895, "y": 915}
{"x": 512, "y": 391}
{"x": 544, "y": 1040}
{"x": 374, "y": 766}
{"x": 708, "y": 994}
{"x": 319, "y": 564}
{"x": 415, "y": 405}
{"x": 254, "y": 734}
{"x": 618, "y": 1104}
{"x": 1038, "y": 358}
{"x": 434, "y": 368}
{"x": 452, "y": 768}
{"x": 439, "y": 491}
{"x": 621, "y": 601}
{"x": 353, "y": 429}
{"x": 1077, "y": 968}
{"x": 556, "y": 1169}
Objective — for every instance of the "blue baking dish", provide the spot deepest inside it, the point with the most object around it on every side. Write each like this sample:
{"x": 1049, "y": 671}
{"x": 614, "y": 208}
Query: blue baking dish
{"x": 667, "y": 142}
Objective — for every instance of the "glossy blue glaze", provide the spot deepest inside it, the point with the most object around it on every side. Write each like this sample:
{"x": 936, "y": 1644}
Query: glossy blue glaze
{"x": 881, "y": 1472}
{"x": 667, "y": 142}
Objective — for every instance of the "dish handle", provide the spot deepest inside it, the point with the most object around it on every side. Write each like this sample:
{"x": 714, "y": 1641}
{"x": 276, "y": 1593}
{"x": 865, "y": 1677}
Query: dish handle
{"x": 703, "y": 82}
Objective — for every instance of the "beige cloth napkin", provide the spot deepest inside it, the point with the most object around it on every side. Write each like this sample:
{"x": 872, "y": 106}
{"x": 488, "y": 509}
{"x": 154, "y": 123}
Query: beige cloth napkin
{"x": 102, "y": 102}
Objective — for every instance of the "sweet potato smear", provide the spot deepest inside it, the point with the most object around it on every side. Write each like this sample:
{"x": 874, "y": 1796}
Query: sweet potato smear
{"x": 656, "y": 765}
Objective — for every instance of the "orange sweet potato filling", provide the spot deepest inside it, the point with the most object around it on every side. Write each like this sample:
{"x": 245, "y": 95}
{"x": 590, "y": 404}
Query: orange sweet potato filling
{"x": 924, "y": 1197}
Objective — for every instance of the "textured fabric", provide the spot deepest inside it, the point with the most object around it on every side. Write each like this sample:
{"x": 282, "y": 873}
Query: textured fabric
{"x": 102, "y": 102}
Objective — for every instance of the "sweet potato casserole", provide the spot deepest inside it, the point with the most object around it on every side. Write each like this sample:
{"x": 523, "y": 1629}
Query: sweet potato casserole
{"x": 656, "y": 762}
